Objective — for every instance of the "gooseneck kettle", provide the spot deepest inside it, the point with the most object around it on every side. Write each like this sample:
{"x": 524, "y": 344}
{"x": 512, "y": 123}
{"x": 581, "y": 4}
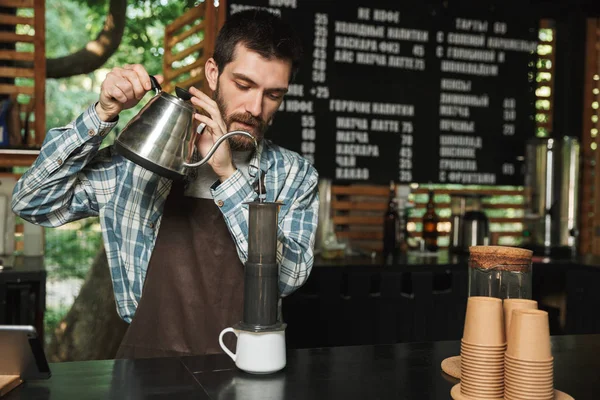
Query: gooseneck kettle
{"x": 161, "y": 137}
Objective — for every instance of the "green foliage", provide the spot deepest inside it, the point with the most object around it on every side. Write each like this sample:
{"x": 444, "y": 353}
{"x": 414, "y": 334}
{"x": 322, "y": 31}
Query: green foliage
{"x": 66, "y": 99}
{"x": 67, "y": 27}
{"x": 70, "y": 251}
{"x": 70, "y": 24}
{"x": 52, "y": 318}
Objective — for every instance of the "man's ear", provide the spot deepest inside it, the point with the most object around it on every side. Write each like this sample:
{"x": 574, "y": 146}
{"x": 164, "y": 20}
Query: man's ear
{"x": 211, "y": 71}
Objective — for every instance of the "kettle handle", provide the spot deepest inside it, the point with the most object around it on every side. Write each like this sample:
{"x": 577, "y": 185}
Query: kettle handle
{"x": 155, "y": 85}
{"x": 217, "y": 144}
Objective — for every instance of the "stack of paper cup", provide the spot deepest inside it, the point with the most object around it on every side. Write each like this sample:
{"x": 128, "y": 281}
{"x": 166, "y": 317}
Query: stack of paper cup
{"x": 482, "y": 350}
{"x": 529, "y": 365}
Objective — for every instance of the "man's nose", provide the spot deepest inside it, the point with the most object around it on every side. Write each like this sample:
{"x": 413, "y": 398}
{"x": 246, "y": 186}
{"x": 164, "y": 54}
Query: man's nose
{"x": 254, "y": 104}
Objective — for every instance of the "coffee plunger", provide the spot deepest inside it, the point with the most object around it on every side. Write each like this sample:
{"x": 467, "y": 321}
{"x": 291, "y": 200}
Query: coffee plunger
{"x": 161, "y": 137}
{"x": 261, "y": 272}
{"x": 260, "y": 345}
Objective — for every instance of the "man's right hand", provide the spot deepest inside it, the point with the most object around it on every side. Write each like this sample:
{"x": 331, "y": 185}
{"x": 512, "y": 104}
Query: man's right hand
{"x": 122, "y": 89}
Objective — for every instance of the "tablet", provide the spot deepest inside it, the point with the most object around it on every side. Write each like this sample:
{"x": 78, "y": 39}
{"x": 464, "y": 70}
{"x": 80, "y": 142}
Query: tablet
{"x": 22, "y": 353}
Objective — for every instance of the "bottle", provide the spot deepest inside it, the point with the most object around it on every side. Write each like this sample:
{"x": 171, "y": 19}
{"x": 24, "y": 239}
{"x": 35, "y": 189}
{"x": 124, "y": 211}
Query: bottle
{"x": 430, "y": 221}
{"x": 390, "y": 224}
{"x": 401, "y": 231}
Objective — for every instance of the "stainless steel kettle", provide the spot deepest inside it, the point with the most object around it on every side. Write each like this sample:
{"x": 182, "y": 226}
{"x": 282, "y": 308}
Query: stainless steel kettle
{"x": 161, "y": 137}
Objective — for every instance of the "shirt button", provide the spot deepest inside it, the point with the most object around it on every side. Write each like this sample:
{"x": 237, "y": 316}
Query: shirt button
{"x": 151, "y": 225}
{"x": 92, "y": 132}
{"x": 220, "y": 203}
{"x": 59, "y": 161}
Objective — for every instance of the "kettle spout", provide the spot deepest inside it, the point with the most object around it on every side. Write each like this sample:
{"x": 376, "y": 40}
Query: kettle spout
{"x": 216, "y": 146}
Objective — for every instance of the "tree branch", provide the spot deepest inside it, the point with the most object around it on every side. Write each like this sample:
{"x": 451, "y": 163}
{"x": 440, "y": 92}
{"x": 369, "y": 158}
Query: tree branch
{"x": 96, "y": 52}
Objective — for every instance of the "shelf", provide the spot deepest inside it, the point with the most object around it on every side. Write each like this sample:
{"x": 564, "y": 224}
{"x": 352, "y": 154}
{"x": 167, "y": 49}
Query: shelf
{"x": 17, "y": 157}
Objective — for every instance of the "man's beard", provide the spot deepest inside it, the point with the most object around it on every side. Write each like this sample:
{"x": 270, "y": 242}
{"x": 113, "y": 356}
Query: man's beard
{"x": 239, "y": 142}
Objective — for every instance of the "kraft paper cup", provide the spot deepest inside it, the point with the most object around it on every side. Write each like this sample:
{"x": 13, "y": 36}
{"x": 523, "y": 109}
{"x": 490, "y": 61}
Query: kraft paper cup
{"x": 513, "y": 304}
{"x": 483, "y": 387}
{"x": 518, "y": 394}
{"x": 487, "y": 365}
{"x": 484, "y": 321}
{"x": 529, "y": 336}
{"x": 471, "y": 395}
{"x": 528, "y": 379}
{"x": 481, "y": 377}
{"x": 482, "y": 390}
{"x": 499, "y": 362}
{"x": 531, "y": 374}
{"x": 519, "y": 384}
{"x": 457, "y": 394}
{"x": 491, "y": 351}
{"x": 486, "y": 349}
{"x": 511, "y": 395}
{"x": 508, "y": 359}
{"x": 508, "y": 396}
{"x": 469, "y": 360}
{"x": 529, "y": 395}
{"x": 474, "y": 394}
{"x": 518, "y": 363}
{"x": 482, "y": 369}
{"x": 481, "y": 355}
{"x": 541, "y": 390}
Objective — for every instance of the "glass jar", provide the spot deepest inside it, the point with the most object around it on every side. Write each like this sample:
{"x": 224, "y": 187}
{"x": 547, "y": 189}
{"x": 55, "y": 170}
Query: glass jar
{"x": 499, "y": 271}
{"x": 501, "y": 281}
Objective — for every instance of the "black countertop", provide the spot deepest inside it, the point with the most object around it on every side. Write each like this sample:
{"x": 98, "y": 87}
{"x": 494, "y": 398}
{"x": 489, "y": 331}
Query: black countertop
{"x": 401, "y": 371}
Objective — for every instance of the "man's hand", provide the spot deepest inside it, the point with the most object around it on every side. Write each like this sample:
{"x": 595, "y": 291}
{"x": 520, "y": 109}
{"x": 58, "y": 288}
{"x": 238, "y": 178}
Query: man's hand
{"x": 122, "y": 89}
{"x": 221, "y": 161}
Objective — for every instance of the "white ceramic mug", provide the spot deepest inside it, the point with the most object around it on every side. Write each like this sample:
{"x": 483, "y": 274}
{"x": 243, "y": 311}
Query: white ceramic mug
{"x": 257, "y": 352}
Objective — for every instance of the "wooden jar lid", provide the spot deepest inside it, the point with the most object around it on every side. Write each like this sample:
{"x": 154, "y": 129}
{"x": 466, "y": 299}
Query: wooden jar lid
{"x": 493, "y": 256}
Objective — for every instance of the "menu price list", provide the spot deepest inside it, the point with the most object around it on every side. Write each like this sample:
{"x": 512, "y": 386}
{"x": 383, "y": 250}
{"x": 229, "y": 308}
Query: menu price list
{"x": 408, "y": 95}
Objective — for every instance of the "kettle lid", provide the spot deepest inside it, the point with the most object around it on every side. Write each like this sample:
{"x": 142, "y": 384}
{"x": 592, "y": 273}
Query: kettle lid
{"x": 182, "y": 93}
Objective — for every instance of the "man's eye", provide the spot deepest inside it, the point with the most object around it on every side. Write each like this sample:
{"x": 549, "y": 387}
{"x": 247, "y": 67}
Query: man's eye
{"x": 275, "y": 96}
{"x": 242, "y": 87}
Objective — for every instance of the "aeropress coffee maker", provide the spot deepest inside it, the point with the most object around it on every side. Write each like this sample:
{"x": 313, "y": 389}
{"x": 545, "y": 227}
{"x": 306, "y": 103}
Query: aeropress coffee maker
{"x": 260, "y": 335}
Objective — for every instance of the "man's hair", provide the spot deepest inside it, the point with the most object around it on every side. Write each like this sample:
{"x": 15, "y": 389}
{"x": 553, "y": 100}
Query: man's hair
{"x": 261, "y": 32}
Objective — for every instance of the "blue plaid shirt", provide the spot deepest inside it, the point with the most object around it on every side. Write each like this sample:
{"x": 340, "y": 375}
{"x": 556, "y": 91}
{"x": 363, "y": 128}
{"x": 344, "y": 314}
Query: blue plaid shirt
{"x": 72, "y": 179}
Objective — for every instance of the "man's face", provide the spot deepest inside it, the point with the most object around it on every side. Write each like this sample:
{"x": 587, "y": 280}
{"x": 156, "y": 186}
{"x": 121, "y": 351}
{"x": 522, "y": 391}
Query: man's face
{"x": 248, "y": 92}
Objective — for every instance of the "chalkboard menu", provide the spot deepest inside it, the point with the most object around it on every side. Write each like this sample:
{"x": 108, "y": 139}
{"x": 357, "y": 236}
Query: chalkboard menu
{"x": 396, "y": 92}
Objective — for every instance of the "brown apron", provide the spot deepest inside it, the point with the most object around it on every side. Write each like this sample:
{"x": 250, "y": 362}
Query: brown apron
{"x": 193, "y": 287}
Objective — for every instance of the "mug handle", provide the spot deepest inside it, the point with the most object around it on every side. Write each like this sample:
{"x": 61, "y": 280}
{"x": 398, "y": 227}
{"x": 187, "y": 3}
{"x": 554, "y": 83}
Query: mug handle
{"x": 225, "y": 349}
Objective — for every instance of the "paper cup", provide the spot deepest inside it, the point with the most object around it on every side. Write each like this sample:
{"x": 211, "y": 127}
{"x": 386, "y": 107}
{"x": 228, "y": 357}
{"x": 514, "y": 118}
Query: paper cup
{"x": 484, "y": 321}
{"x": 529, "y": 337}
{"x": 513, "y": 304}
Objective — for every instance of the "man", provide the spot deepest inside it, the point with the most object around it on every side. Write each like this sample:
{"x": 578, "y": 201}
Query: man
{"x": 191, "y": 269}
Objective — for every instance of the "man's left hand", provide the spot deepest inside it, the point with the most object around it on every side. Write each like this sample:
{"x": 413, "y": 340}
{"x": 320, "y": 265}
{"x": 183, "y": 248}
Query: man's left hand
{"x": 221, "y": 161}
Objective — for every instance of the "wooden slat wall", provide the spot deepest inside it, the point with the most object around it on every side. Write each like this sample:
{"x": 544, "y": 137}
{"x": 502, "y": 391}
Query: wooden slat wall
{"x": 357, "y": 212}
{"x": 204, "y": 19}
{"x": 590, "y": 188}
{"x": 37, "y": 74}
